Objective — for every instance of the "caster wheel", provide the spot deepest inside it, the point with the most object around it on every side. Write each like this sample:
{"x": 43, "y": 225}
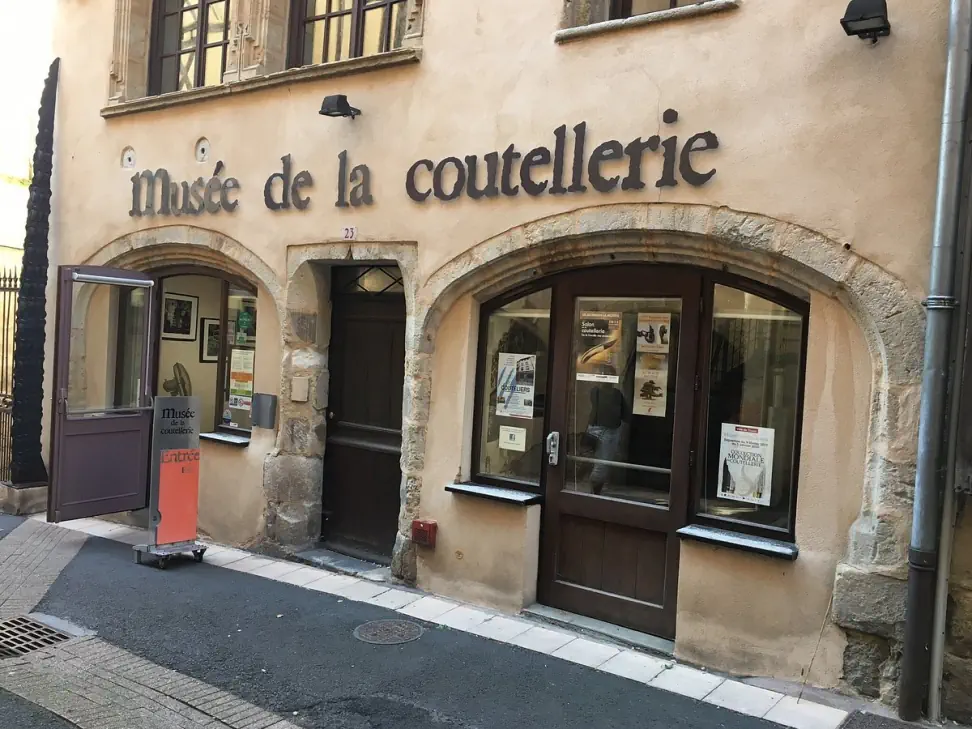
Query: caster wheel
{"x": 138, "y": 557}
{"x": 163, "y": 563}
{"x": 198, "y": 555}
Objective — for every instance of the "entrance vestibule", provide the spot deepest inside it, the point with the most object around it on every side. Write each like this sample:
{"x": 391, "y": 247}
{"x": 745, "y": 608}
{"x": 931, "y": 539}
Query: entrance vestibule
{"x": 639, "y": 400}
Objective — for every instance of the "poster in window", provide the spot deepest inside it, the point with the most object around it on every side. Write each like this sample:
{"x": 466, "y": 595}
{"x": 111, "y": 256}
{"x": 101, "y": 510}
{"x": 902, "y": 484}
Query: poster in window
{"x": 512, "y": 439}
{"x": 515, "y": 384}
{"x": 651, "y": 385}
{"x": 654, "y": 332}
{"x": 746, "y": 464}
{"x": 241, "y": 379}
{"x": 600, "y": 347}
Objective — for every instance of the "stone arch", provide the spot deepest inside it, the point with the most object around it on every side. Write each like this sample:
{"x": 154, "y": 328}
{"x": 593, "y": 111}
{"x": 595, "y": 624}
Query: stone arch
{"x": 784, "y": 254}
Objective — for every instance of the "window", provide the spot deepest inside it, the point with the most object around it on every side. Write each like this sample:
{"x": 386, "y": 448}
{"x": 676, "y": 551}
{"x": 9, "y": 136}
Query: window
{"x": 512, "y": 391}
{"x": 751, "y": 438}
{"x": 189, "y": 44}
{"x": 334, "y": 30}
{"x": 629, "y": 8}
{"x": 207, "y": 347}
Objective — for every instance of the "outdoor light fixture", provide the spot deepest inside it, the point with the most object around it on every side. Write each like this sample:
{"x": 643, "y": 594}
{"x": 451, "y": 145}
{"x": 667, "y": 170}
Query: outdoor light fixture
{"x": 338, "y": 105}
{"x": 867, "y": 19}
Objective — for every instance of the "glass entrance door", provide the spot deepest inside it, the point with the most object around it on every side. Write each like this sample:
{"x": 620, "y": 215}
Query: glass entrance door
{"x": 618, "y": 448}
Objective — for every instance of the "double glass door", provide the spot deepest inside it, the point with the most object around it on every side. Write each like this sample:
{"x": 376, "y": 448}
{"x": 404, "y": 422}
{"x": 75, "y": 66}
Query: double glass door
{"x": 618, "y": 443}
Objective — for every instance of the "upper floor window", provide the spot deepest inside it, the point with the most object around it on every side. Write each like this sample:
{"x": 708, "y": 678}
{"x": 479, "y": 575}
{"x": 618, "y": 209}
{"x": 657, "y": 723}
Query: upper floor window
{"x": 629, "y": 8}
{"x": 323, "y": 31}
{"x": 189, "y": 44}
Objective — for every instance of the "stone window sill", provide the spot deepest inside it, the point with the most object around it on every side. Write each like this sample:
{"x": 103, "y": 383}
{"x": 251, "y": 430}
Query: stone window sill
{"x": 495, "y": 493}
{"x": 400, "y": 57}
{"x": 706, "y": 7}
{"x": 240, "y": 441}
{"x": 746, "y": 542}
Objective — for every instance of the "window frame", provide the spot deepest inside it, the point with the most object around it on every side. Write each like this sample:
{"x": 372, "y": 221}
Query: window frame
{"x": 708, "y": 280}
{"x": 226, "y": 280}
{"x": 701, "y": 408}
{"x": 621, "y": 9}
{"x": 157, "y": 54}
{"x": 299, "y": 20}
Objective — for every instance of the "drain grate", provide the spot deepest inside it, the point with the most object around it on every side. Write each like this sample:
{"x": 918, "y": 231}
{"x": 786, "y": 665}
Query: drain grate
{"x": 388, "y": 632}
{"x": 20, "y": 636}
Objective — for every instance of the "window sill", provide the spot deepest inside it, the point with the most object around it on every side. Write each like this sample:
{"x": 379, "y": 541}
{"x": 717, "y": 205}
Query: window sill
{"x": 746, "y": 542}
{"x": 707, "y": 7}
{"x": 496, "y": 493}
{"x": 400, "y": 57}
{"x": 240, "y": 441}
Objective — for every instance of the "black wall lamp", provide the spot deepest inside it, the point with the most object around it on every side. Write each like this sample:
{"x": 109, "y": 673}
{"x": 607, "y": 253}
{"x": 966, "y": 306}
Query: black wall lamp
{"x": 867, "y": 19}
{"x": 338, "y": 105}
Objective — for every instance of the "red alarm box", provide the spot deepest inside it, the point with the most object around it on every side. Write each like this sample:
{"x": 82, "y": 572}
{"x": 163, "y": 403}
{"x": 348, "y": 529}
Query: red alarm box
{"x": 423, "y": 532}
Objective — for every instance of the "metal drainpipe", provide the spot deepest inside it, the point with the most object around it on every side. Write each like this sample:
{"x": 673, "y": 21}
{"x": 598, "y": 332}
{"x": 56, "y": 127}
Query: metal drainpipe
{"x": 940, "y": 304}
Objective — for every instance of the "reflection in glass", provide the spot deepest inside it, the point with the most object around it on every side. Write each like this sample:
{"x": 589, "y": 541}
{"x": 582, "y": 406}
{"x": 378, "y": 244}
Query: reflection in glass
{"x": 621, "y": 398}
{"x": 187, "y": 71}
{"x": 241, "y": 325}
{"x": 754, "y": 380}
{"x": 339, "y": 39}
{"x": 214, "y": 66}
{"x": 107, "y": 348}
{"x": 514, "y": 382}
{"x": 216, "y": 24}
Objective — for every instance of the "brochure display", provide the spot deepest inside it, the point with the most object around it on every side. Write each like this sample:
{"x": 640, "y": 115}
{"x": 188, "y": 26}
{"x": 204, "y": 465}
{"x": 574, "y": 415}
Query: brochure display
{"x": 174, "y": 487}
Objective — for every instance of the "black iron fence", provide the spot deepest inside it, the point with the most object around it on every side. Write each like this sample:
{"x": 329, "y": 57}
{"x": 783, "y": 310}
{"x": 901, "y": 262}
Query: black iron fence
{"x": 9, "y": 286}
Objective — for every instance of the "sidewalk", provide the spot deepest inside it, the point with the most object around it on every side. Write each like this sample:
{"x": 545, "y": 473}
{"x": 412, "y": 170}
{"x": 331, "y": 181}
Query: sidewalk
{"x": 279, "y": 635}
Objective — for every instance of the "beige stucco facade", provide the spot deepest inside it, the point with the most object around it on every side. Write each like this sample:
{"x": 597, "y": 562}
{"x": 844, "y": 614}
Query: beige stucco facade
{"x": 824, "y": 186}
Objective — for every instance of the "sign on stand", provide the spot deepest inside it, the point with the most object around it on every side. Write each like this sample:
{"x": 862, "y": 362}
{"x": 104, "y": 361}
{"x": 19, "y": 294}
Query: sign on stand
{"x": 174, "y": 489}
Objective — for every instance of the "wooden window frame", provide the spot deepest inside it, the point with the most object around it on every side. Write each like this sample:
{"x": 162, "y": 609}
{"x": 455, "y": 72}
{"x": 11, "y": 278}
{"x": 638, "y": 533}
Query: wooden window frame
{"x": 621, "y": 9}
{"x": 299, "y": 20}
{"x": 157, "y": 55}
{"x": 709, "y": 279}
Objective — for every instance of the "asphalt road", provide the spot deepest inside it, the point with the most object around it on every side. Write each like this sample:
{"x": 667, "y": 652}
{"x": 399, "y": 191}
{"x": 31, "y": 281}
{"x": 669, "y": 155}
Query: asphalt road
{"x": 291, "y": 650}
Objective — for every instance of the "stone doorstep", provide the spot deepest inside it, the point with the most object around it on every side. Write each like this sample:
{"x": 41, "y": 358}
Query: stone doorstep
{"x": 575, "y": 629}
{"x": 22, "y": 500}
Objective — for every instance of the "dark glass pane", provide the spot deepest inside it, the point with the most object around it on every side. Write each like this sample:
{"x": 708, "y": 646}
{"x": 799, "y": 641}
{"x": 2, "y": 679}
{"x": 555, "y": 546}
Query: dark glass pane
{"x": 241, "y": 318}
{"x": 640, "y": 7}
{"x": 170, "y": 74}
{"x": 621, "y": 398}
{"x": 754, "y": 378}
{"x": 338, "y": 6}
{"x": 314, "y": 42}
{"x": 314, "y": 8}
{"x": 339, "y": 39}
{"x": 398, "y": 26}
{"x": 170, "y": 34}
{"x": 513, "y": 395}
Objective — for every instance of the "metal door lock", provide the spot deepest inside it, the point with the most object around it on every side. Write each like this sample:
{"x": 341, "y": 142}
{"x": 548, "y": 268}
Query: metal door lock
{"x": 553, "y": 448}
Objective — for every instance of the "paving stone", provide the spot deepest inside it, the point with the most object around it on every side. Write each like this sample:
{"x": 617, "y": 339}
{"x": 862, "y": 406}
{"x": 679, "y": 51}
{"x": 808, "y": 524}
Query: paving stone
{"x": 394, "y": 599}
{"x": 276, "y": 570}
{"x": 462, "y": 618}
{"x": 361, "y": 590}
{"x": 792, "y": 712}
{"x": 743, "y": 698}
{"x": 501, "y": 628}
{"x": 636, "y": 666}
{"x": 586, "y": 652}
{"x": 428, "y": 608}
{"x": 542, "y": 640}
{"x": 686, "y": 681}
{"x": 301, "y": 576}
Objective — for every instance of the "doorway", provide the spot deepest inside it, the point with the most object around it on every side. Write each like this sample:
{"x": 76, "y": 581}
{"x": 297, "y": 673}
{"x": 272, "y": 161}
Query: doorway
{"x": 636, "y": 400}
{"x": 362, "y": 475}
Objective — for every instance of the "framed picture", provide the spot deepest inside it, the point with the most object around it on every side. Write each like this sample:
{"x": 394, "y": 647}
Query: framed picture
{"x": 179, "y": 316}
{"x": 209, "y": 340}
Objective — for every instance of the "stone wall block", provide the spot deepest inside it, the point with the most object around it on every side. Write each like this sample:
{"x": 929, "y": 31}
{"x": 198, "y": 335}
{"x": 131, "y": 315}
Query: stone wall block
{"x": 292, "y": 477}
{"x": 743, "y": 231}
{"x": 594, "y": 221}
{"x": 411, "y": 494}
{"x": 413, "y": 446}
{"x": 960, "y": 622}
{"x": 897, "y": 316}
{"x": 869, "y": 602}
{"x": 958, "y": 689}
{"x": 816, "y": 252}
{"x": 416, "y": 398}
{"x": 864, "y": 657}
{"x": 294, "y": 525}
{"x": 403, "y": 559}
{"x": 693, "y": 220}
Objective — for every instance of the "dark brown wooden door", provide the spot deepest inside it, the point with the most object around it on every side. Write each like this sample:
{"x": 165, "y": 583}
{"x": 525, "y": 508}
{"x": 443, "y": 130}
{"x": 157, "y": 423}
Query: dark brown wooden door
{"x": 623, "y": 381}
{"x": 102, "y": 417}
{"x": 362, "y": 476}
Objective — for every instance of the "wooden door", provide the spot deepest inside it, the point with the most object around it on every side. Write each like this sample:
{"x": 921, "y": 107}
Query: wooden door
{"x": 362, "y": 476}
{"x": 624, "y": 363}
{"x": 102, "y": 420}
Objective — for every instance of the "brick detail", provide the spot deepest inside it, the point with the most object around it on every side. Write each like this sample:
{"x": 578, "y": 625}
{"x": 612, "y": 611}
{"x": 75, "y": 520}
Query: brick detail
{"x": 96, "y": 685}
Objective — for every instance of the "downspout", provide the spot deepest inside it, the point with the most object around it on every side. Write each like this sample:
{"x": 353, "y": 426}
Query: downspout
{"x": 932, "y": 429}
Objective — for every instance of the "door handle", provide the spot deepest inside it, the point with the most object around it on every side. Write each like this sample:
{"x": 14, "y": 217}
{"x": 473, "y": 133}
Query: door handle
{"x": 553, "y": 448}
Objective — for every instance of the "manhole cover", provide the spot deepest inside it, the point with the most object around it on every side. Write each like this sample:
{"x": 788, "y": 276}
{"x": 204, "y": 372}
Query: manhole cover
{"x": 388, "y": 632}
{"x": 20, "y": 636}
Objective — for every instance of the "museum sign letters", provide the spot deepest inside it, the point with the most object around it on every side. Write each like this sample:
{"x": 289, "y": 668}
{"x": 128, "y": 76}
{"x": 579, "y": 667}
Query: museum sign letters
{"x": 559, "y": 170}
